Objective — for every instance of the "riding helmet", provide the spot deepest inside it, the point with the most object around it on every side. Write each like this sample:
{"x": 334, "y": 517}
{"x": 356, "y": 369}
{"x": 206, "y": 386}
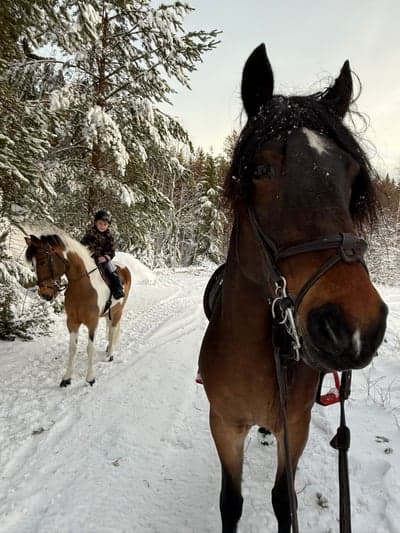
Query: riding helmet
{"x": 103, "y": 214}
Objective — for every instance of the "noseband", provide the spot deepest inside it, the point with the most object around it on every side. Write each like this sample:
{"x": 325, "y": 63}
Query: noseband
{"x": 349, "y": 248}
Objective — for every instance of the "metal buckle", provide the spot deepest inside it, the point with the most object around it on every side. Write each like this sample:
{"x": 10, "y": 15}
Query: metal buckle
{"x": 287, "y": 316}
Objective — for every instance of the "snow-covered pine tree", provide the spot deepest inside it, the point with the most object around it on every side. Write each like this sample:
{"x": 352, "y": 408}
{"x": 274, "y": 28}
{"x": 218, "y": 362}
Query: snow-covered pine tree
{"x": 384, "y": 251}
{"x": 24, "y": 141}
{"x": 211, "y": 220}
{"x": 119, "y": 61}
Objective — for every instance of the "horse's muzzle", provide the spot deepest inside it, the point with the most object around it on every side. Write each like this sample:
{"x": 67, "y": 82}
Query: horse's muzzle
{"x": 47, "y": 296}
{"x": 332, "y": 343}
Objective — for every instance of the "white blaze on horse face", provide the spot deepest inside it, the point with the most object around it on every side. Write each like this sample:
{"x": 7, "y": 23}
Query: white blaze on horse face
{"x": 316, "y": 141}
{"x": 357, "y": 341}
{"x": 95, "y": 278}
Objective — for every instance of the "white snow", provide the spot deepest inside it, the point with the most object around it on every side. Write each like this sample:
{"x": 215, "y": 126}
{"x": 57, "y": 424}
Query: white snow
{"x": 133, "y": 453}
{"x": 101, "y": 128}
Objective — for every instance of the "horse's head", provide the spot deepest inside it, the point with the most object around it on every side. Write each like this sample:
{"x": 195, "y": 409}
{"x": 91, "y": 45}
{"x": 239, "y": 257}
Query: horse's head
{"x": 302, "y": 176}
{"x": 46, "y": 255}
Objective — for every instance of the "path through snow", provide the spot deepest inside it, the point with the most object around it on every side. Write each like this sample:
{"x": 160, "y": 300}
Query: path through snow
{"x": 133, "y": 454}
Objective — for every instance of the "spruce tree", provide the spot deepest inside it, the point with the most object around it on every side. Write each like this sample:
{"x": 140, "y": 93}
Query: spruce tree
{"x": 120, "y": 60}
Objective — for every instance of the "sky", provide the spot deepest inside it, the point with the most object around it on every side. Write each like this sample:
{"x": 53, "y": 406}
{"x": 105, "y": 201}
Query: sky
{"x": 307, "y": 44}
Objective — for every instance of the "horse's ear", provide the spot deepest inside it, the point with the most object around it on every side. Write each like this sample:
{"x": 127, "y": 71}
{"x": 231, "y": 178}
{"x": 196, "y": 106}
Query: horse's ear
{"x": 257, "y": 81}
{"x": 339, "y": 95}
{"x": 32, "y": 240}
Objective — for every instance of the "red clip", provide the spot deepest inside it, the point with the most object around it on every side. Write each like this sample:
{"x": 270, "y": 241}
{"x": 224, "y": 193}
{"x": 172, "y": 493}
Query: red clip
{"x": 199, "y": 379}
{"x": 333, "y": 395}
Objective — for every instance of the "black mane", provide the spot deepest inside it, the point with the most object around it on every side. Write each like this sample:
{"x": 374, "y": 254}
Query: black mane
{"x": 276, "y": 120}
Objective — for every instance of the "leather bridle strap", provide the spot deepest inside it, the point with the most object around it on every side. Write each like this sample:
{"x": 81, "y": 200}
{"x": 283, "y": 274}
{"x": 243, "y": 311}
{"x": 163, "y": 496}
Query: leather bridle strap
{"x": 50, "y": 254}
{"x": 281, "y": 376}
{"x": 269, "y": 250}
{"x": 350, "y": 248}
{"x": 341, "y": 442}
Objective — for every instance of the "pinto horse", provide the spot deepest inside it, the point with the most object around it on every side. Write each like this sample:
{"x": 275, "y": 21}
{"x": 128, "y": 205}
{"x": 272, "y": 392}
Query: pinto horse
{"x": 85, "y": 297}
{"x": 301, "y": 190}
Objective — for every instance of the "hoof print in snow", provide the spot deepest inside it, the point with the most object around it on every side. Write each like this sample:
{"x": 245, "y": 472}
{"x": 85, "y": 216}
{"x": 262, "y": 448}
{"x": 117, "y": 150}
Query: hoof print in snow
{"x": 388, "y": 451}
{"x": 379, "y": 438}
{"x": 265, "y": 437}
{"x": 65, "y": 382}
{"x": 38, "y": 431}
{"x": 322, "y": 501}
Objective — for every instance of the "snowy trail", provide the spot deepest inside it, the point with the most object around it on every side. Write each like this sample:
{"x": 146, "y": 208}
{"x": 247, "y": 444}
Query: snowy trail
{"x": 134, "y": 452}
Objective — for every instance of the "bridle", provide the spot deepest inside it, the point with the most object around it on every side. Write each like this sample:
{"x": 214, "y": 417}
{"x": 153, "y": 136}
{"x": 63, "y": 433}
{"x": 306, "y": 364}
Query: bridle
{"x": 56, "y": 280}
{"x": 349, "y": 248}
{"x": 286, "y": 341}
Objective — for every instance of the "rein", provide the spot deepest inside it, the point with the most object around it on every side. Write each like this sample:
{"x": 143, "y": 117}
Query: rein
{"x": 287, "y": 346}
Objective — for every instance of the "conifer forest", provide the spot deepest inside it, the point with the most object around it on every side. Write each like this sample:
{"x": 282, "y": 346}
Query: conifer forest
{"x": 84, "y": 89}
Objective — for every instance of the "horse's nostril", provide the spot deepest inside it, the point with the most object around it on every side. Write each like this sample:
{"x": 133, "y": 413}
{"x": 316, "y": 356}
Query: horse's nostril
{"x": 327, "y": 328}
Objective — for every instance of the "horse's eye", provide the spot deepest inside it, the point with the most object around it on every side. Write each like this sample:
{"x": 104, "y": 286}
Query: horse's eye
{"x": 264, "y": 171}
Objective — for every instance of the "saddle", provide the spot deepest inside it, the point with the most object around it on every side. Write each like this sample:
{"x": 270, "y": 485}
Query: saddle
{"x": 213, "y": 290}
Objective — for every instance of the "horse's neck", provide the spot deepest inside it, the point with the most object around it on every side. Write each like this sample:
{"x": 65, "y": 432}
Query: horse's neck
{"x": 245, "y": 254}
{"x": 78, "y": 267}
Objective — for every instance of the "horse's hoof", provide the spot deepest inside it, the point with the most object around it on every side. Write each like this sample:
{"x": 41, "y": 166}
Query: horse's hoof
{"x": 92, "y": 382}
{"x": 111, "y": 358}
{"x": 65, "y": 382}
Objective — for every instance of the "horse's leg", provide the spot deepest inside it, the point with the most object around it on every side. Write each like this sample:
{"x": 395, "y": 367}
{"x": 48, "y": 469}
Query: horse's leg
{"x": 298, "y": 434}
{"x": 229, "y": 441}
{"x": 113, "y": 333}
{"x": 73, "y": 343}
{"x": 91, "y": 352}
{"x": 113, "y": 326}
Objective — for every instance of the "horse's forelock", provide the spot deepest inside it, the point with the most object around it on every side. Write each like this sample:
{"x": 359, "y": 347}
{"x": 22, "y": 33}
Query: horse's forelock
{"x": 276, "y": 120}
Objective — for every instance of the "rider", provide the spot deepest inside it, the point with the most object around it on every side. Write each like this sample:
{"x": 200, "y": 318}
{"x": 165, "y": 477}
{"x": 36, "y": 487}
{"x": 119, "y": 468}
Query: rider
{"x": 101, "y": 244}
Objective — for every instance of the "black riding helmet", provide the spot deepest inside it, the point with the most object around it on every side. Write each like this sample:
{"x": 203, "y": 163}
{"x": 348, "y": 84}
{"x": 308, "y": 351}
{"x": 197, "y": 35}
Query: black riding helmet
{"x": 103, "y": 214}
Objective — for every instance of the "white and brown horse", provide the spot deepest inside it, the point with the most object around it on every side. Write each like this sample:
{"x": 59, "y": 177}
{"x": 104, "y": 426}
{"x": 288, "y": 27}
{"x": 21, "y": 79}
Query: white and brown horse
{"x": 86, "y": 294}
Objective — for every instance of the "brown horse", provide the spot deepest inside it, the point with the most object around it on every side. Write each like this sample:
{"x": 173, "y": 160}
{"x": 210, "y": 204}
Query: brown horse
{"x": 300, "y": 188}
{"x": 86, "y": 294}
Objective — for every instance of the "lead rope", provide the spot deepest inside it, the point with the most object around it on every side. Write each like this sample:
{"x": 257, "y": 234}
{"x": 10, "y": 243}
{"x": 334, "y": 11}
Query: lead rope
{"x": 282, "y": 352}
{"x": 341, "y": 442}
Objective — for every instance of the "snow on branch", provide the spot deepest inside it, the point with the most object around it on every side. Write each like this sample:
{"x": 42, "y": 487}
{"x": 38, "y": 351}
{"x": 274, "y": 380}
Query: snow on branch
{"x": 100, "y": 129}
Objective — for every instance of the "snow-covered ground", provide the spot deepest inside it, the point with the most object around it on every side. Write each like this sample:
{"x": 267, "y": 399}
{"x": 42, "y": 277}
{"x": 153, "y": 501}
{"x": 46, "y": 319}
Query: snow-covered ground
{"x": 133, "y": 453}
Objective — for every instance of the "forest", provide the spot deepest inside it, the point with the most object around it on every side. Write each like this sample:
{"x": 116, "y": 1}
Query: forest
{"x": 83, "y": 91}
